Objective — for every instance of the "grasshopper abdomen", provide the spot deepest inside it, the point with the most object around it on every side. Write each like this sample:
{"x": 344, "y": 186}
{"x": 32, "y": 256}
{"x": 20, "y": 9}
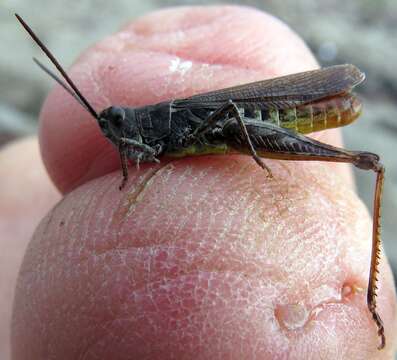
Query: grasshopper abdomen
{"x": 320, "y": 115}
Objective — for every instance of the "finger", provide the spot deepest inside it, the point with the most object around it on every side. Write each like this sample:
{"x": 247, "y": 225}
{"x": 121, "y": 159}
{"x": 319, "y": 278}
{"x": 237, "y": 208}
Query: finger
{"x": 144, "y": 64}
{"x": 26, "y": 195}
{"x": 203, "y": 262}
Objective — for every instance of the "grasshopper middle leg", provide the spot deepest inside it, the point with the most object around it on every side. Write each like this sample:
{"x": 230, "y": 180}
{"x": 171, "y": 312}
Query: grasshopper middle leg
{"x": 222, "y": 113}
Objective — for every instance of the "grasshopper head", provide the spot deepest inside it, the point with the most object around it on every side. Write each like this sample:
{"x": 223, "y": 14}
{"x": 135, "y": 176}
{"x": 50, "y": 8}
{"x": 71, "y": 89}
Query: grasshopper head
{"x": 114, "y": 124}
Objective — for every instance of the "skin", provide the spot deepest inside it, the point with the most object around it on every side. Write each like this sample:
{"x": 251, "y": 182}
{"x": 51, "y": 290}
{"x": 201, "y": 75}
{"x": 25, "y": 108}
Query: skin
{"x": 21, "y": 170}
{"x": 200, "y": 258}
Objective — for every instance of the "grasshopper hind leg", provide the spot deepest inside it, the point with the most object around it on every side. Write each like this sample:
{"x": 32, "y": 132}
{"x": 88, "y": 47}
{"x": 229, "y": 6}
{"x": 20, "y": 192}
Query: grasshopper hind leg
{"x": 274, "y": 142}
{"x": 369, "y": 161}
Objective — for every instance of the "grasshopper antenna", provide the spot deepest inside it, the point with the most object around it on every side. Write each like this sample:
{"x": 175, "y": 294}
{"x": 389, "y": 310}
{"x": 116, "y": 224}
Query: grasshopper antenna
{"x": 77, "y": 94}
{"x": 60, "y": 82}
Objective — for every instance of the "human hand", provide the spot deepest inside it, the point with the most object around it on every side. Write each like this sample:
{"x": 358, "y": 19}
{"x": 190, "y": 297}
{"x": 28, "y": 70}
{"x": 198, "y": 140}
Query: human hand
{"x": 200, "y": 258}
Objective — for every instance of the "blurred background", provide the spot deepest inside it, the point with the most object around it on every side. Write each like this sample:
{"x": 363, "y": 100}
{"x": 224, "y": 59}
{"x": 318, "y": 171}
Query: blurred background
{"x": 362, "y": 32}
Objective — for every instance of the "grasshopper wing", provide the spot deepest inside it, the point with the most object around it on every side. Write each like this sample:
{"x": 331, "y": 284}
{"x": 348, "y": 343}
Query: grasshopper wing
{"x": 282, "y": 92}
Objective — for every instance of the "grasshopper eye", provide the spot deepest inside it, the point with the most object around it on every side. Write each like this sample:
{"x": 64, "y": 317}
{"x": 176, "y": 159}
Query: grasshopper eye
{"x": 118, "y": 121}
{"x": 117, "y": 116}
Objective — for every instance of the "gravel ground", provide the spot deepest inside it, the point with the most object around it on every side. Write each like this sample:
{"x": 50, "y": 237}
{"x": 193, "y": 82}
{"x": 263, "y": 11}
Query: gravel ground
{"x": 362, "y": 32}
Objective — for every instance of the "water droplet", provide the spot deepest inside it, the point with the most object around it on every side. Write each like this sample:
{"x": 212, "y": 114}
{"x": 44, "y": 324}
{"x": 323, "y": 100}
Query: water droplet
{"x": 296, "y": 316}
{"x": 349, "y": 290}
{"x": 292, "y": 316}
{"x": 346, "y": 290}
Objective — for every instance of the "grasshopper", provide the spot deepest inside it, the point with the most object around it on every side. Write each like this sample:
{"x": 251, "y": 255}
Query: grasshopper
{"x": 265, "y": 119}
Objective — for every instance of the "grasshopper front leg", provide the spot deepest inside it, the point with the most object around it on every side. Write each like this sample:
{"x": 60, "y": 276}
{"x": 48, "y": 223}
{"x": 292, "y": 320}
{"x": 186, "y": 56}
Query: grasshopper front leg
{"x": 123, "y": 152}
{"x": 137, "y": 151}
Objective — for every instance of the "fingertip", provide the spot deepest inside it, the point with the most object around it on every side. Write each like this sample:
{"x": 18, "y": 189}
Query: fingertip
{"x": 202, "y": 259}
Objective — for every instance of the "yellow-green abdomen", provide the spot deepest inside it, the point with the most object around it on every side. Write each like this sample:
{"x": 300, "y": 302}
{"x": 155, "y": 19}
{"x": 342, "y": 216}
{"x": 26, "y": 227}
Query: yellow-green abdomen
{"x": 328, "y": 113}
